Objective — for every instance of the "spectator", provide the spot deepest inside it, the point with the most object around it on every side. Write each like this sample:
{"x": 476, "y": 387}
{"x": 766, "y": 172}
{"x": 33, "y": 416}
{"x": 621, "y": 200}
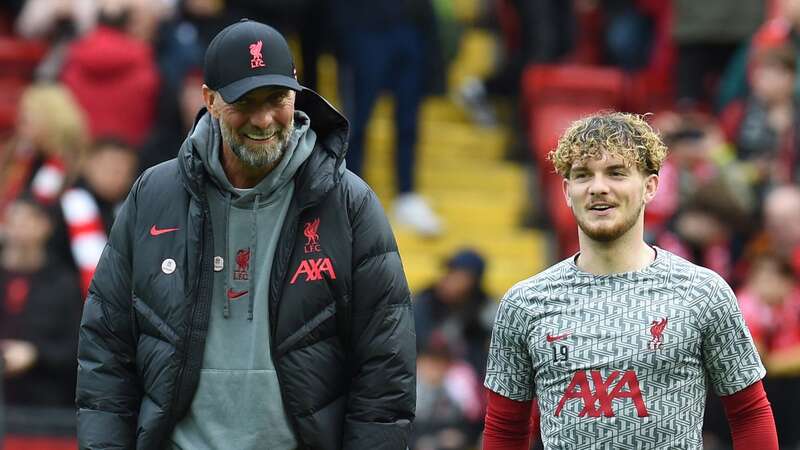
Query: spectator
{"x": 457, "y": 307}
{"x": 48, "y": 144}
{"x": 307, "y": 20}
{"x": 39, "y": 312}
{"x": 770, "y": 303}
{"x": 448, "y": 399}
{"x": 781, "y": 233}
{"x": 779, "y": 31}
{"x": 40, "y": 19}
{"x": 704, "y": 229}
{"x": 383, "y": 45}
{"x": 707, "y": 35}
{"x": 144, "y": 17}
{"x": 698, "y": 156}
{"x": 629, "y": 34}
{"x": 89, "y": 207}
{"x": 113, "y": 75}
{"x": 183, "y": 39}
{"x": 763, "y": 125}
{"x": 176, "y": 116}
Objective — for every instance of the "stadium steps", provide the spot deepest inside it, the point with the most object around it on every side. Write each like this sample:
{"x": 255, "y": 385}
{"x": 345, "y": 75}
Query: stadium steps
{"x": 461, "y": 171}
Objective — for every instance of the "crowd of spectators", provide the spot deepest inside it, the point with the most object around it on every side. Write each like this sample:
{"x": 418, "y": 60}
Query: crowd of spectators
{"x": 118, "y": 88}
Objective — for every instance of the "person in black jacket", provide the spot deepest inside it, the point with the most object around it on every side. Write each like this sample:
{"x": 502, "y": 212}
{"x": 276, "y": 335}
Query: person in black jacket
{"x": 40, "y": 308}
{"x": 251, "y": 294}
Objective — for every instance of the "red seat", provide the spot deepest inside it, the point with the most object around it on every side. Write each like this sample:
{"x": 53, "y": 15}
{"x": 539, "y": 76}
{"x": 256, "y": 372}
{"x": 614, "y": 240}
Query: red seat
{"x": 11, "y": 89}
{"x": 573, "y": 83}
{"x": 19, "y": 57}
{"x": 547, "y": 123}
{"x": 39, "y": 443}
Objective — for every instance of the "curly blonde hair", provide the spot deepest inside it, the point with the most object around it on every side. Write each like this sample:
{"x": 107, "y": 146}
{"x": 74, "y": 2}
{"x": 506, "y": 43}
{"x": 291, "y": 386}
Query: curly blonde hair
{"x": 625, "y": 135}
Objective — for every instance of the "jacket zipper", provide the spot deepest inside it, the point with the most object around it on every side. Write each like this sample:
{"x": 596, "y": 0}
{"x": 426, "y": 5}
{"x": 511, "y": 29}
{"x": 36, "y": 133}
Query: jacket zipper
{"x": 201, "y": 293}
{"x": 286, "y": 250}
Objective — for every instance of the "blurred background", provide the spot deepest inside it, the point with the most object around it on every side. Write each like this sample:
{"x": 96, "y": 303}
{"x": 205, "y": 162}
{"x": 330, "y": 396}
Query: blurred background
{"x": 453, "y": 106}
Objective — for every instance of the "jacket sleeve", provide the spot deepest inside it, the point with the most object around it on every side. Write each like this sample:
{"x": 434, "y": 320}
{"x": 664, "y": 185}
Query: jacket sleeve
{"x": 108, "y": 395}
{"x": 382, "y": 396}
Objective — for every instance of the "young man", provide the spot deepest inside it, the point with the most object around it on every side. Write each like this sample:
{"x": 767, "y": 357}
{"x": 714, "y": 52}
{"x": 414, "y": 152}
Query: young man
{"x": 251, "y": 295}
{"x": 620, "y": 342}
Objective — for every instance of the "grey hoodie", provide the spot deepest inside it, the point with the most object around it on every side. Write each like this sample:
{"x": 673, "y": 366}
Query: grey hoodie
{"x": 238, "y": 401}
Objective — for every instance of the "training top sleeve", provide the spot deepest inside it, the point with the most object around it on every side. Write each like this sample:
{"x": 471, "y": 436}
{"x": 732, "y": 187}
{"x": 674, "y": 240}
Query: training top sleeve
{"x": 509, "y": 370}
{"x": 729, "y": 354}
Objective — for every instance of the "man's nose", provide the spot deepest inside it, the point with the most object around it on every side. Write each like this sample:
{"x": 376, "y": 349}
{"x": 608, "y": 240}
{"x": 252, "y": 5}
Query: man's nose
{"x": 598, "y": 185}
{"x": 262, "y": 117}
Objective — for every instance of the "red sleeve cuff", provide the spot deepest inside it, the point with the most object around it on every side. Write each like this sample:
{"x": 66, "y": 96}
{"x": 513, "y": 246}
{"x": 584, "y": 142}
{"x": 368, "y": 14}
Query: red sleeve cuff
{"x": 508, "y": 423}
{"x": 750, "y": 418}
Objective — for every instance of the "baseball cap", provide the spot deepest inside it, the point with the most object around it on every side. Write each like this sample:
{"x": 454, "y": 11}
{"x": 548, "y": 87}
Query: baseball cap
{"x": 469, "y": 260}
{"x": 248, "y": 55}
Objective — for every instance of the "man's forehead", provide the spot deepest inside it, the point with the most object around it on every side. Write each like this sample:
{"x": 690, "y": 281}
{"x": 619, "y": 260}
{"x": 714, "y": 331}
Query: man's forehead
{"x": 604, "y": 159}
{"x": 265, "y": 92}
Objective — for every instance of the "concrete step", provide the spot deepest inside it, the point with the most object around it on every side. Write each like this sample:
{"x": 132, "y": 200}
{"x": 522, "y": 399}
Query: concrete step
{"x": 497, "y": 178}
{"x": 503, "y": 271}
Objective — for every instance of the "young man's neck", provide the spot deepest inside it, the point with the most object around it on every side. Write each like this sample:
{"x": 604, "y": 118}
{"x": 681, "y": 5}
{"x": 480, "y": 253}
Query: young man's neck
{"x": 629, "y": 253}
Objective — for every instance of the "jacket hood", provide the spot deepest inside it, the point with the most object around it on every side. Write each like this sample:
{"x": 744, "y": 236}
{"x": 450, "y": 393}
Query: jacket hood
{"x": 300, "y": 145}
{"x": 318, "y": 174}
{"x": 108, "y": 53}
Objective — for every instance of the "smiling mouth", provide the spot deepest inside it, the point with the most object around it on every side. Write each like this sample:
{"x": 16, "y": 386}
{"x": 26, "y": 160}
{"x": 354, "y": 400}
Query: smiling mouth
{"x": 601, "y": 207}
{"x": 260, "y": 138}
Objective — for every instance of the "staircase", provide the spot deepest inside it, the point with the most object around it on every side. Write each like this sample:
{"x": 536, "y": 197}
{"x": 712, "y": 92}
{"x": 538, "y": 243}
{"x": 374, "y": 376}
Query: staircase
{"x": 462, "y": 173}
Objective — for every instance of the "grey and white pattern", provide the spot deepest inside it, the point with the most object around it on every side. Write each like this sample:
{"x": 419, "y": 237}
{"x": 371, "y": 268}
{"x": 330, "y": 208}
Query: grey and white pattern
{"x": 585, "y": 345}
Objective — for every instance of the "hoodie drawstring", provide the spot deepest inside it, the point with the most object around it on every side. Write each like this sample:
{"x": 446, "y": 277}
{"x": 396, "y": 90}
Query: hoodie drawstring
{"x": 226, "y": 310}
{"x": 254, "y": 240}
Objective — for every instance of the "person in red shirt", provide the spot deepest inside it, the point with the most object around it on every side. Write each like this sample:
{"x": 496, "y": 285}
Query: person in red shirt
{"x": 770, "y": 302}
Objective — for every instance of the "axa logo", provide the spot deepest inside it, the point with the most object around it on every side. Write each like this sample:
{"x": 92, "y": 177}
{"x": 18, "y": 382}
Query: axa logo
{"x": 242, "y": 264}
{"x": 657, "y": 332}
{"x": 256, "y": 60}
{"x": 598, "y": 402}
{"x": 313, "y": 269}
{"x": 310, "y": 232}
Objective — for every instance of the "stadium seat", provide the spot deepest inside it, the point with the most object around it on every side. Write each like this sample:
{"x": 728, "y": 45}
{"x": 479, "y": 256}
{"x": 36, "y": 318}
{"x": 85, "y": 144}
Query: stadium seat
{"x": 11, "y": 89}
{"x": 573, "y": 83}
{"x": 39, "y": 443}
{"x": 19, "y": 57}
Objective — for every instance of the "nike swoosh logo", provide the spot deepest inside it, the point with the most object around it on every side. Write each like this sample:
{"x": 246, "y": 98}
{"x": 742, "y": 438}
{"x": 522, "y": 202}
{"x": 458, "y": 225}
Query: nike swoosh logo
{"x": 155, "y": 231}
{"x": 233, "y": 295}
{"x": 551, "y": 338}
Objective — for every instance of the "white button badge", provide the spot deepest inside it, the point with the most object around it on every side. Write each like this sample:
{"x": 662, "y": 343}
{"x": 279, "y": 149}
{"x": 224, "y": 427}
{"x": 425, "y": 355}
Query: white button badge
{"x": 168, "y": 266}
{"x": 219, "y": 263}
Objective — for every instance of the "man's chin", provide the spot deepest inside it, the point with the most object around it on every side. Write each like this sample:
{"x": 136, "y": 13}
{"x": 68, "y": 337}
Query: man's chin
{"x": 603, "y": 233}
{"x": 258, "y": 158}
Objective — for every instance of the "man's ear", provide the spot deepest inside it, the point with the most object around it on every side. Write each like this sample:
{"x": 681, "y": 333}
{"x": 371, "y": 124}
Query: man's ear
{"x": 211, "y": 100}
{"x": 565, "y": 189}
{"x": 650, "y": 187}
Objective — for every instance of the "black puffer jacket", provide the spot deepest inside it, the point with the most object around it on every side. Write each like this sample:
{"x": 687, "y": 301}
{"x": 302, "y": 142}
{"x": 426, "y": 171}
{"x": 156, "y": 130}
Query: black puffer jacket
{"x": 343, "y": 347}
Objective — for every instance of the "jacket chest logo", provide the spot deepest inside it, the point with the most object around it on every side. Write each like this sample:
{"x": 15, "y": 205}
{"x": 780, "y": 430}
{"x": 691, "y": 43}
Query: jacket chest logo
{"x": 313, "y": 268}
{"x": 312, "y": 237}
